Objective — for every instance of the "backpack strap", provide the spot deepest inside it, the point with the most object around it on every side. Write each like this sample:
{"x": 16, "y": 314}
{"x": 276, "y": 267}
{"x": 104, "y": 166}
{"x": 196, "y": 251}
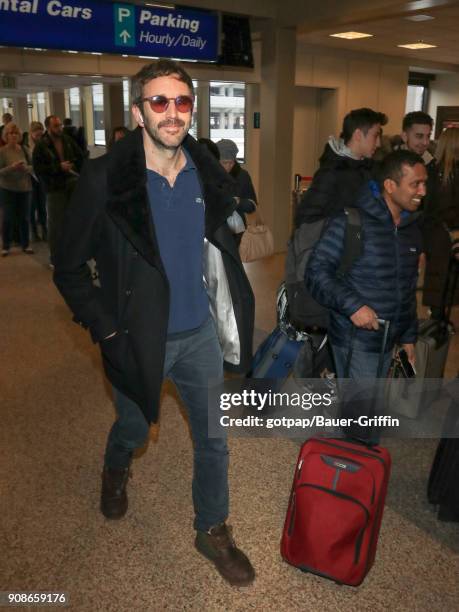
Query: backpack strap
{"x": 352, "y": 239}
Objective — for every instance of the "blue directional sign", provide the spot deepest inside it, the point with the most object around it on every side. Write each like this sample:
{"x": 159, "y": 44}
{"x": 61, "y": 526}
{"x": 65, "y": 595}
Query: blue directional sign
{"x": 124, "y": 19}
{"x": 79, "y": 25}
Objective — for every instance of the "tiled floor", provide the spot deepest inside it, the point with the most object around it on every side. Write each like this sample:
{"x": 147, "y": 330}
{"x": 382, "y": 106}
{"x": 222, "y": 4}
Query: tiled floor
{"x": 55, "y": 411}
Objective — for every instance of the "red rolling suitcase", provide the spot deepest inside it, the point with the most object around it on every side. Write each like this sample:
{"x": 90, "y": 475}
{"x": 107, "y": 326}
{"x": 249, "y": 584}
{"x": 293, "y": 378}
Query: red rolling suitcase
{"x": 336, "y": 507}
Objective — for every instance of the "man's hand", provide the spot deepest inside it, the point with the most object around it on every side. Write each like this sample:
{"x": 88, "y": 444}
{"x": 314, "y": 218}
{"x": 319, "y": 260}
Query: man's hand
{"x": 66, "y": 166}
{"x": 366, "y": 318}
{"x": 409, "y": 349}
{"x": 422, "y": 261}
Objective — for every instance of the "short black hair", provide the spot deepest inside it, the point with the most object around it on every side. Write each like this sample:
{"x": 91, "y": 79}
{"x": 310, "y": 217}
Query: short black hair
{"x": 392, "y": 165}
{"x": 361, "y": 119}
{"x": 416, "y": 117}
{"x": 67, "y": 121}
{"x": 48, "y": 120}
{"x": 158, "y": 68}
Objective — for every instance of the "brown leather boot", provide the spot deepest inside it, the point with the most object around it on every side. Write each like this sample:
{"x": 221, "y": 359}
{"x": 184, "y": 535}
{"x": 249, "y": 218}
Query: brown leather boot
{"x": 218, "y": 546}
{"x": 114, "y": 501}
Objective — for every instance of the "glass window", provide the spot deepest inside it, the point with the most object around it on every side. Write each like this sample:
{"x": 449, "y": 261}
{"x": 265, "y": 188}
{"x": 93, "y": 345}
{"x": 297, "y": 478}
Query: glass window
{"x": 194, "y": 118}
{"x": 31, "y": 111}
{"x": 6, "y": 106}
{"x": 227, "y": 113}
{"x": 126, "y": 105}
{"x": 415, "y": 98}
{"x": 42, "y": 106}
{"x": 75, "y": 106}
{"x": 38, "y": 106}
{"x": 98, "y": 113}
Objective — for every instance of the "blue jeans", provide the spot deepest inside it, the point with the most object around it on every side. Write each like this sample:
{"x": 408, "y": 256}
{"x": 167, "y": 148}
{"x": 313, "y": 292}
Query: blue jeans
{"x": 190, "y": 361}
{"x": 363, "y": 366}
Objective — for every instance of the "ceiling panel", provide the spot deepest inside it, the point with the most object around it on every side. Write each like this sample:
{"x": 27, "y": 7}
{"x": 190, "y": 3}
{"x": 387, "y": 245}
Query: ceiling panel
{"x": 442, "y": 31}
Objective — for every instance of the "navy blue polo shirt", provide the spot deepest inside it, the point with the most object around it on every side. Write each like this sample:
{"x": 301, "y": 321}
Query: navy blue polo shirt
{"x": 178, "y": 215}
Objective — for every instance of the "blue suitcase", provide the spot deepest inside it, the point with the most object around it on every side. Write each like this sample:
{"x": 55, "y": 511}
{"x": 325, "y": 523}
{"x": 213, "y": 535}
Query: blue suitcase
{"x": 276, "y": 356}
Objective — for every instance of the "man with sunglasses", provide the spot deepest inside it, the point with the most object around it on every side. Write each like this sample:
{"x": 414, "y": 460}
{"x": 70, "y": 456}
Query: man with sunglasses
{"x": 152, "y": 213}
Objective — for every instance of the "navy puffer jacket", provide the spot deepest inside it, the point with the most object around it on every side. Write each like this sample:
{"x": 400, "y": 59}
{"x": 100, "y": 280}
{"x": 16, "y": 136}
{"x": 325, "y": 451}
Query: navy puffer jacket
{"x": 384, "y": 276}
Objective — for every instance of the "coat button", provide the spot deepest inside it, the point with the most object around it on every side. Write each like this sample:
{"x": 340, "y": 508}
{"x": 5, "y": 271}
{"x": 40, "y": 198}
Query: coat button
{"x": 134, "y": 253}
{"x": 126, "y": 331}
{"x": 128, "y": 292}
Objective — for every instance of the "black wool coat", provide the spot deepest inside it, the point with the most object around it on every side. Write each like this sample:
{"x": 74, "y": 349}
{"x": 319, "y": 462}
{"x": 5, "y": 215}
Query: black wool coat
{"x": 335, "y": 186}
{"x": 109, "y": 219}
{"x": 441, "y": 217}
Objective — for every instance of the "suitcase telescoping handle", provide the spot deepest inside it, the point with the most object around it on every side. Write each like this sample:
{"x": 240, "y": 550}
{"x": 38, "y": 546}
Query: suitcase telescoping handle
{"x": 385, "y": 324}
{"x": 369, "y": 442}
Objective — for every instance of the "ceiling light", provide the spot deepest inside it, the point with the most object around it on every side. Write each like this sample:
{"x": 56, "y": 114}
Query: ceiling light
{"x": 419, "y": 17}
{"x": 95, "y": 53}
{"x": 351, "y": 35}
{"x": 69, "y": 51}
{"x": 418, "y": 45}
{"x": 171, "y": 7}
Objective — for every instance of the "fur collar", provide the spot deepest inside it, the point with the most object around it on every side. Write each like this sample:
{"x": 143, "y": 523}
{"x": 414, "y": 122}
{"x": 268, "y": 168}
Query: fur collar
{"x": 128, "y": 197}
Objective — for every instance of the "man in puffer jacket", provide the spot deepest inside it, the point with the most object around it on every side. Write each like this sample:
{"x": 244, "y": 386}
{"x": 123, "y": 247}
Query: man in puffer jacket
{"x": 346, "y": 165}
{"x": 381, "y": 284}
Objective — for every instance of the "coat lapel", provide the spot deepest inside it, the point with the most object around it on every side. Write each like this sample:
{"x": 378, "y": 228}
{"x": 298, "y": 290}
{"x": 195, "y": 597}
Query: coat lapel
{"x": 128, "y": 203}
{"x": 217, "y": 186}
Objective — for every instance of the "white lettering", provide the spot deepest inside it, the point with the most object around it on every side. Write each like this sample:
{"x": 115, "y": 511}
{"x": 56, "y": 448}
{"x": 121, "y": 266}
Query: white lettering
{"x": 56, "y": 9}
{"x": 170, "y": 21}
{"x": 188, "y": 41}
{"x": 156, "y": 39}
{"x": 52, "y": 10}
{"x": 144, "y": 16}
{"x": 122, "y": 13}
{"x": 24, "y": 6}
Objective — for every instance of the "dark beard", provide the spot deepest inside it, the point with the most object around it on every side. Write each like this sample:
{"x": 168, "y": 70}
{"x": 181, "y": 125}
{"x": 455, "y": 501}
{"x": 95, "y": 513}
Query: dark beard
{"x": 154, "y": 134}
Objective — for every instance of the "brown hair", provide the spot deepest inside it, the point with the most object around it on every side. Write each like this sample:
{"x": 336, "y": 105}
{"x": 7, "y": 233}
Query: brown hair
{"x": 159, "y": 68}
{"x": 447, "y": 152}
{"x": 36, "y": 125}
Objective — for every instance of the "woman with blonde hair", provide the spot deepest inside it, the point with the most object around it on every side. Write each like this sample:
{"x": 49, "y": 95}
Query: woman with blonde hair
{"x": 38, "y": 205}
{"x": 442, "y": 222}
{"x": 16, "y": 187}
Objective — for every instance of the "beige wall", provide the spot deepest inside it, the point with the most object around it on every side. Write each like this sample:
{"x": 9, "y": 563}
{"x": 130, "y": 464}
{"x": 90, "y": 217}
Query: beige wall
{"x": 305, "y": 133}
{"x": 374, "y": 82}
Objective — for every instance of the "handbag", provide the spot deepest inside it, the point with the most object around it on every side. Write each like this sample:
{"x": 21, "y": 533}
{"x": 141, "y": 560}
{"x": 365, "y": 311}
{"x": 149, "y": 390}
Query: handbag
{"x": 257, "y": 240}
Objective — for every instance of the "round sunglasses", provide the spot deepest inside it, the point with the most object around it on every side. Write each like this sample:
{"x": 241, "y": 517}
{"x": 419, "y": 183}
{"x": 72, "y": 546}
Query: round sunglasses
{"x": 159, "y": 104}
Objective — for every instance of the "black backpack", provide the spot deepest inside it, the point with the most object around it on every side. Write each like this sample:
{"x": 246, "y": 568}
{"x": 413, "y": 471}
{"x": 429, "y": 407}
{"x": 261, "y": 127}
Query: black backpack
{"x": 304, "y": 311}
